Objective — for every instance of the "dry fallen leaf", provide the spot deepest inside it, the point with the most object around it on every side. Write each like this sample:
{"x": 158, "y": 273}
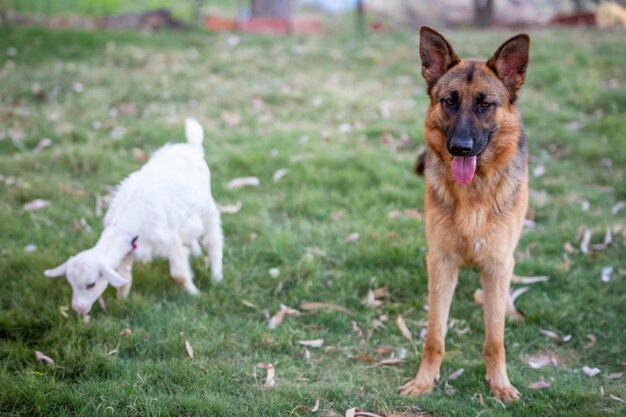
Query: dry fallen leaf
{"x": 616, "y": 398}
{"x": 63, "y": 310}
{"x": 357, "y": 330}
{"x": 615, "y": 376}
{"x": 279, "y": 174}
{"x": 312, "y": 343}
{"x": 479, "y": 296}
{"x": 352, "y": 237}
{"x": 102, "y": 303}
{"x": 364, "y": 357}
{"x": 274, "y": 272}
{"x": 248, "y": 303}
{"x": 68, "y": 189}
{"x": 518, "y": 292}
{"x": 139, "y": 155}
{"x": 569, "y": 248}
{"x": 410, "y": 213}
{"x": 230, "y": 209}
{"x": 617, "y": 207}
{"x": 554, "y": 336}
{"x": 592, "y": 341}
{"x": 313, "y": 306}
{"x": 389, "y": 361}
{"x": 313, "y": 409}
{"x": 277, "y": 319}
{"x": 584, "y": 243}
{"x": 384, "y": 350}
{"x": 454, "y": 375}
{"x": 539, "y": 170}
{"x": 590, "y": 371}
{"x": 87, "y": 319}
{"x": 529, "y": 280}
{"x": 124, "y": 332}
{"x": 270, "y": 380}
{"x": 541, "y": 384}
{"x": 403, "y": 328}
{"x": 540, "y": 360}
{"x": 231, "y": 119}
{"x": 243, "y": 182}
{"x": 45, "y": 358}
{"x": 608, "y": 239}
{"x": 43, "y": 144}
{"x": 188, "y": 348}
{"x": 36, "y": 204}
{"x": 606, "y": 273}
{"x": 351, "y": 412}
{"x": 371, "y": 300}
{"x": 584, "y": 205}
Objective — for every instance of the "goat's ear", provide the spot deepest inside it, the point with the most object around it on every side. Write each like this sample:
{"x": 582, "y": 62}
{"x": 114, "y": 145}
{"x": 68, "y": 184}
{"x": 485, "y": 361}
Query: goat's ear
{"x": 59, "y": 271}
{"x": 437, "y": 55}
{"x": 509, "y": 62}
{"x": 115, "y": 279}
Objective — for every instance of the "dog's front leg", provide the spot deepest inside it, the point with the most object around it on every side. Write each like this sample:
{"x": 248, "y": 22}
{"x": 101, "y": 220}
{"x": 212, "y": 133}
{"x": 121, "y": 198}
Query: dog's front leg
{"x": 496, "y": 280}
{"x": 443, "y": 271}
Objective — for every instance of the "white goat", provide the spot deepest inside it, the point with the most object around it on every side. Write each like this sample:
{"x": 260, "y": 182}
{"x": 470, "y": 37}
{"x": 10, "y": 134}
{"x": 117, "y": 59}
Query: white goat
{"x": 162, "y": 210}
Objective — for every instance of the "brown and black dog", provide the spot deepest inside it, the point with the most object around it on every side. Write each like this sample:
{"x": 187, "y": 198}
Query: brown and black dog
{"x": 476, "y": 192}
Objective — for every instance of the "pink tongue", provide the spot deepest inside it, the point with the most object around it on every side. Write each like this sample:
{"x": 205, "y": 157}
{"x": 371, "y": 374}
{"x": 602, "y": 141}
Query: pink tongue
{"x": 463, "y": 168}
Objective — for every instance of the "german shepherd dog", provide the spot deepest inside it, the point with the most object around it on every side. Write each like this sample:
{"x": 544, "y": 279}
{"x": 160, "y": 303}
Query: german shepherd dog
{"x": 476, "y": 169}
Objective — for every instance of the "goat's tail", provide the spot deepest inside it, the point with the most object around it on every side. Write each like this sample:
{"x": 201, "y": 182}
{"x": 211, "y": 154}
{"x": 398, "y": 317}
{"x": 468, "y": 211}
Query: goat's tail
{"x": 194, "y": 133}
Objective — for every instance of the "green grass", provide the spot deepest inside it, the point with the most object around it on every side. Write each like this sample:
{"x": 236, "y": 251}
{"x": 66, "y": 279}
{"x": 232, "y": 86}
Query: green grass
{"x": 286, "y": 90}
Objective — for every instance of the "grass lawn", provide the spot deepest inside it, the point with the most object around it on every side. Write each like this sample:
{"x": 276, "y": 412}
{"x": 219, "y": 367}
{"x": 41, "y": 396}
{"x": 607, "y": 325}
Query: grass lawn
{"x": 344, "y": 115}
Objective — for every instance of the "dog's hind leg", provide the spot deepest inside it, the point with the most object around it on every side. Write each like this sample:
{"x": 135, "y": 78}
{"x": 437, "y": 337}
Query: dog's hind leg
{"x": 443, "y": 271}
{"x": 496, "y": 280}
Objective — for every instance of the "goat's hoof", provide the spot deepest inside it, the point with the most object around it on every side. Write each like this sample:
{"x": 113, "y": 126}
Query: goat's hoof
{"x": 122, "y": 292}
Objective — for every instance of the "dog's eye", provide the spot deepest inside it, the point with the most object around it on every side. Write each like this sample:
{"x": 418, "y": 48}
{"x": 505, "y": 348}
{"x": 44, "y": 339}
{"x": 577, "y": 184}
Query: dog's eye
{"x": 485, "y": 104}
{"x": 450, "y": 101}
{"x": 90, "y": 286}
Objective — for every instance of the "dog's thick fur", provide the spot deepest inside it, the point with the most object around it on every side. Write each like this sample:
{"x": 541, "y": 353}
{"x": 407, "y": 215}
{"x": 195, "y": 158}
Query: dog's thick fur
{"x": 478, "y": 223}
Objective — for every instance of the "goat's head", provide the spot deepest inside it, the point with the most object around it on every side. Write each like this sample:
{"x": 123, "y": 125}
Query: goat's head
{"x": 88, "y": 278}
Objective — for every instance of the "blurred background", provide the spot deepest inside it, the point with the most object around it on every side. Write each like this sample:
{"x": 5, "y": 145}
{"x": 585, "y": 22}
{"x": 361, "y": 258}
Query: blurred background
{"x": 284, "y": 16}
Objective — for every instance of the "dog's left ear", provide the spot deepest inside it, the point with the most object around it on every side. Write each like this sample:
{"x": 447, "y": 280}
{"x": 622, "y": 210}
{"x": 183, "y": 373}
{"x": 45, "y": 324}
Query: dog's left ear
{"x": 510, "y": 62}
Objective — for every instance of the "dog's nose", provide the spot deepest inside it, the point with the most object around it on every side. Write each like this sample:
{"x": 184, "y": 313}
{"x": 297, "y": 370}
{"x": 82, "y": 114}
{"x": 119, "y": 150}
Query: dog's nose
{"x": 461, "y": 147}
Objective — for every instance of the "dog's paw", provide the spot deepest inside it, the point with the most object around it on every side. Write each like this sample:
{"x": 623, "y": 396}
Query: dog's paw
{"x": 505, "y": 393}
{"x": 417, "y": 386}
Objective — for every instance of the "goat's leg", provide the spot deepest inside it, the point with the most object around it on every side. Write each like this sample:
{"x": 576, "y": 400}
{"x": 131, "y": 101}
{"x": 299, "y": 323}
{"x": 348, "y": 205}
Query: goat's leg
{"x": 125, "y": 270}
{"x": 213, "y": 240}
{"x": 180, "y": 270}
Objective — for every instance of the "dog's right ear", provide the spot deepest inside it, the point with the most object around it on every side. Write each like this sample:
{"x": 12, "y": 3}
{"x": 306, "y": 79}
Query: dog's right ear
{"x": 437, "y": 55}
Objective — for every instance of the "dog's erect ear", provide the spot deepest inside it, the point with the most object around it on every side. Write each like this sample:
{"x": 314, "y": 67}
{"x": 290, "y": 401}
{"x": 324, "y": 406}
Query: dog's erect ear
{"x": 56, "y": 272}
{"x": 437, "y": 55}
{"x": 510, "y": 62}
{"x": 115, "y": 279}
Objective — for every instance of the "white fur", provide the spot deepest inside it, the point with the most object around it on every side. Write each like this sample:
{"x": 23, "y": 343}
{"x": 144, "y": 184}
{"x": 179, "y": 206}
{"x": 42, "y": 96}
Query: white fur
{"x": 168, "y": 206}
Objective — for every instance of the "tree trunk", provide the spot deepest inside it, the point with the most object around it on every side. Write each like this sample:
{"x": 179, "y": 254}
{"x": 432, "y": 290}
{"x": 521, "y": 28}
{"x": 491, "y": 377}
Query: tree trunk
{"x": 271, "y": 8}
{"x": 483, "y": 13}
